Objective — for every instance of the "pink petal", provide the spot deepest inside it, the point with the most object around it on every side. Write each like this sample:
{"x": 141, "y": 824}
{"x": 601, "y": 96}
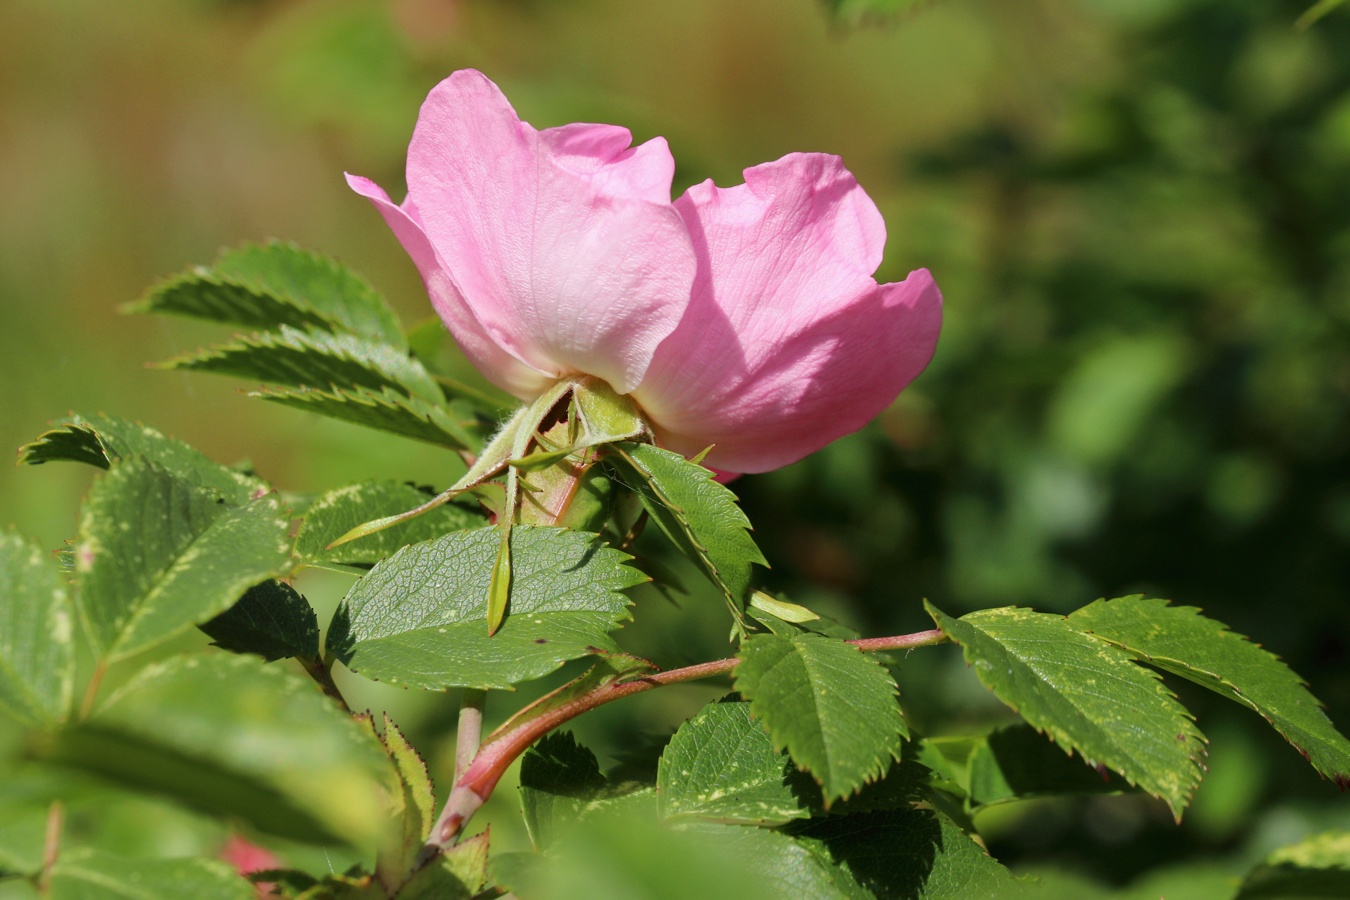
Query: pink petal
{"x": 788, "y": 342}
{"x": 563, "y": 243}
{"x": 503, "y": 369}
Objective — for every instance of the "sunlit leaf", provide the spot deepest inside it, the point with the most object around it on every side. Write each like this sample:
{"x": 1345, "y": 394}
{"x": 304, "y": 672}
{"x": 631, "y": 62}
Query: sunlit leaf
{"x": 36, "y": 634}
{"x": 338, "y": 512}
{"x": 388, "y": 410}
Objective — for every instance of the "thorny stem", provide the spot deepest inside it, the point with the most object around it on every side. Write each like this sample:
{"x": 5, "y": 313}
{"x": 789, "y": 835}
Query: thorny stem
{"x": 474, "y": 785}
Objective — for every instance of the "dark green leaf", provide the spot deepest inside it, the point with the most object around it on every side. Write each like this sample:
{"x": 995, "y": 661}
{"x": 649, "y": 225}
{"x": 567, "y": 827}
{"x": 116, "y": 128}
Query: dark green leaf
{"x": 271, "y": 285}
{"x": 233, "y": 735}
{"x": 1086, "y": 694}
{"x": 36, "y": 631}
{"x": 103, "y": 440}
{"x": 1317, "y": 868}
{"x": 699, "y": 515}
{"x": 1015, "y": 763}
{"x": 338, "y": 512}
{"x": 558, "y": 777}
{"x": 419, "y": 617}
{"x": 721, "y": 764}
{"x": 314, "y": 359}
{"x": 87, "y": 874}
{"x": 905, "y": 853}
{"x": 388, "y": 410}
{"x": 271, "y": 620}
{"x": 456, "y": 874}
{"x": 418, "y": 800}
{"x": 157, "y": 554}
{"x": 1179, "y": 640}
{"x": 829, "y": 704}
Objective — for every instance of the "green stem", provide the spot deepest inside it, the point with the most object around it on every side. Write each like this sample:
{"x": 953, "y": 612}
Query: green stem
{"x": 475, "y": 785}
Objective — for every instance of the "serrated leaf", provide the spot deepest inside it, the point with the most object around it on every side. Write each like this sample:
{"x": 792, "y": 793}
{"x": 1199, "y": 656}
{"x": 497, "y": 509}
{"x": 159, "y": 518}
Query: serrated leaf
{"x": 418, "y": 617}
{"x": 1178, "y": 639}
{"x": 722, "y": 765}
{"x": 458, "y": 873}
{"x": 36, "y": 634}
{"x": 275, "y": 284}
{"x": 314, "y": 359}
{"x": 418, "y": 800}
{"x": 699, "y": 515}
{"x": 103, "y": 440}
{"x": 338, "y": 512}
{"x": 388, "y": 410}
{"x": 157, "y": 554}
{"x": 272, "y": 620}
{"x": 88, "y": 874}
{"x": 558, "y": 777}
{"x": 236, "y": 736}
{"x": 909, "y": 853}
{"x": 1016, "y": 763}
{"x": 1086, "y": 694}
{"x": 1317, "y": 868}
{"x": 830, "y": 705}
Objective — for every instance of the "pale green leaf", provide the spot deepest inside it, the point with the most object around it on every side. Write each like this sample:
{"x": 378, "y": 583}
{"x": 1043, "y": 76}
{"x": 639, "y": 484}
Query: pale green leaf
{"x": 1178, "y": 639}
{"x": 699, "y": 515}
{"x": 458, "y": 873}
{"x": 387, "y": 410}
{"x": 721, "y": 764}
{"x": 419, "y": 617}
{"x": 558, "y": 777}
{"x": 221, "y": 732}
{"x": 1086, "y": 694}
{"x": 36, "y": 631}
{"x": 1316, "y": 868}
{"x": 338, "y": 512}
{"x": 271, "y": 620}
{"x": 314, "y": 359}
{"x": 830, "y": 705}
{"x": 418, "y": 800}
{"x": 157, "y": 554}
{"x": 88, "y": 874}
{"x": 103, "y": 440}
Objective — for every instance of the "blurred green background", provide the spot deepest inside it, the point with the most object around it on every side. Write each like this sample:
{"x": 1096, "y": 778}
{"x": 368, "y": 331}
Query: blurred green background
{"x": 1138, "y": 211}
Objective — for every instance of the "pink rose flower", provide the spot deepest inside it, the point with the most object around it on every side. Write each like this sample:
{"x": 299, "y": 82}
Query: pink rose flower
{"x": 743, "y": 317}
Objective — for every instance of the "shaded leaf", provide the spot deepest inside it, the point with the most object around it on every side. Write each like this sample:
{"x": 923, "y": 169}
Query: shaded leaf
{"x": 721, "y": 764}
{"x": 157, "y": 554}
{"x": 1015, "y": 763}
{"x": 219, "y": 731}
{"x": 1086, "y": 694}
{"x": 272, "y": 285}
{"x": 832, "y": 707}
{"x": 1317, "y": 868}
{"x": 387, "y": 410}
{"x": 558, "y": 777}
{"x": 296, "y": 358}
{"x": 455, "y": 874}
{"x": 103, "y": 440}
{"x": 271, "y": 620}
{"x": 418, "y": 617}
{"x": 87, "y": 874}
{"x": 338, "y": 512}
{"x": 36, "y": 634}
{"x": 699, "y": 515}
{"x": 1178, "y": 639}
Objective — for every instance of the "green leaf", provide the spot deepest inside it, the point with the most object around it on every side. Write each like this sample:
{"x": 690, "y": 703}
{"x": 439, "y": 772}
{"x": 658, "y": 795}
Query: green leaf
{"x": 699, "y": 515}
{"x": 23, "y": 828}
{"x": 606, "y": 416}
{"x": 87, "y": 874}
{"x": 387, "y": 410}
{"x": 1086, "y": 694}
{"x": 338, "y": 512}
{"x": 1178, "y": 639}
{"x": 418, "y": 800}
{"x": 827, "y": 702}
{"x": 1015, "y": 763}
{"x": 36, "y": 629}
{"x": 314, "y": 359}
{"x": 275, "y": 284}
{"x": 235, "y": 736}
{"x": 459, "y": 873}
{"x": 103, "y": 440}
{"x": 558, "y": 777}
{"x": 157, "y": 554}
{"x": 721, "y": 764}
{"x": 271, "y": 620}
{"x": 1317, "y": 867}
{"x": 906, "y": 853}
{"x": 418, "y": 618}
